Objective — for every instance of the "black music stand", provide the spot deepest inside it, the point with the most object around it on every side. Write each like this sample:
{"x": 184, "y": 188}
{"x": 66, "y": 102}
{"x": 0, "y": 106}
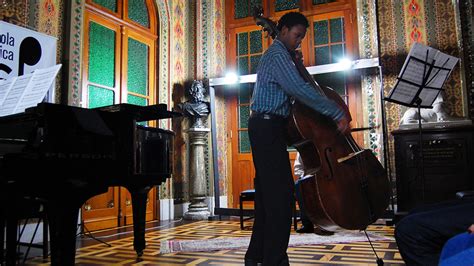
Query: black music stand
{"x": 419, "y": 83}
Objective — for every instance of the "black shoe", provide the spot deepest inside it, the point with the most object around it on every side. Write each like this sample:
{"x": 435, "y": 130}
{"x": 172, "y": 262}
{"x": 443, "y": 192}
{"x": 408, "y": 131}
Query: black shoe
{"x": 252, "y": 262}
{"x": 305, "y": 229}
{"x": 322, "y": 232}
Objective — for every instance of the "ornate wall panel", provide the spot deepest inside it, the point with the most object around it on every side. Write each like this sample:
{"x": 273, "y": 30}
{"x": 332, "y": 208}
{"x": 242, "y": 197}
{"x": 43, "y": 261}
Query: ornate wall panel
{"x": 368, "y": 48}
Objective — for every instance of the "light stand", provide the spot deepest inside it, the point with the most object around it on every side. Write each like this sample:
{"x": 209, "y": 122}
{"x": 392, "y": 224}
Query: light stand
{"x": 212, "y": 102}
{"x": 84, "y": 232}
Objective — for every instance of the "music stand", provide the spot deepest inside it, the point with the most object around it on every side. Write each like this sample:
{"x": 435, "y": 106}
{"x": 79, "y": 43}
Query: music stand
{"x": 419, "y": 83}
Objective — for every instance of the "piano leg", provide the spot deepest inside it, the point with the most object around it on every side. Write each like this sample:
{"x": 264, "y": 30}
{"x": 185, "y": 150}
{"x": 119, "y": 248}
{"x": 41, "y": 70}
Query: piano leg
{"x": 63, "y": 214}
{"x": 63, "y": 229}
{"x": 2, "y": 237}
{"x": 11, "y": 222}
{"x": 2, "y": 232}
{"x": 139, "y": 196}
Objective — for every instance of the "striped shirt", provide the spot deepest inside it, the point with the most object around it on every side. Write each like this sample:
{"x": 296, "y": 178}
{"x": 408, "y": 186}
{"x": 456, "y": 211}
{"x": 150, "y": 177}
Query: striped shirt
{"x": 278, "y": 79}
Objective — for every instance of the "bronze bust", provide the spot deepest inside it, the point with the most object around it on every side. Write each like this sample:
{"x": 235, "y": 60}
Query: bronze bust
{"x": 196, "y": 108}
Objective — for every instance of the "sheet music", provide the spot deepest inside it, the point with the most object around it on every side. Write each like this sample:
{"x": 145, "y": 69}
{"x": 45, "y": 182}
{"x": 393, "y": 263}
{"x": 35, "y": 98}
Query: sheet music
{"x": 405, "y": 92}
{"x": 14, "y": 95}
{"x": 27, "y": 90}
{"x": 417, "y": 81}
{"x": 414, "y": 72}
{"x": 428, "y": 96}
{"x": 37, "y": 87}
{"x": 5, "y": 86}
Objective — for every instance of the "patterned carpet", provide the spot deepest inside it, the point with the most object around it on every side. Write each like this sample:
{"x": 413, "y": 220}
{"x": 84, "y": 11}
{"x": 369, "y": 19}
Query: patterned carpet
{"x": 121, "y": 251}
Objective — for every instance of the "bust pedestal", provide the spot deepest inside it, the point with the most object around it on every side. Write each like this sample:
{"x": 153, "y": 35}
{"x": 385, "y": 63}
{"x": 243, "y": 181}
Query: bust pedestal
{"x": 198, "y": 209}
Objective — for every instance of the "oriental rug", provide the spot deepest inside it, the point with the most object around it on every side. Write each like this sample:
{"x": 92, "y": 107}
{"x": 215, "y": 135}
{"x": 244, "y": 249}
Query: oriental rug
{"x": 228, "y": 243}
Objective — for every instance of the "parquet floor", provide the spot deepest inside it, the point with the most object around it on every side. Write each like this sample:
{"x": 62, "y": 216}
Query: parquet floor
{"x": 91, "y": 252}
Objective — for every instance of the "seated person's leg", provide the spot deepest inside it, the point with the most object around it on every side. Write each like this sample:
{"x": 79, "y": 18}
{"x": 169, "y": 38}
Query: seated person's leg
{"x": 421, "y": 235}
{"x": 307, "y": 225}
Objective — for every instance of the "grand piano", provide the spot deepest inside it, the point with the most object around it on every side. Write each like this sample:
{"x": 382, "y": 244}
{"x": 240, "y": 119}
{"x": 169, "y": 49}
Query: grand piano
{"x": 60, "y": 156}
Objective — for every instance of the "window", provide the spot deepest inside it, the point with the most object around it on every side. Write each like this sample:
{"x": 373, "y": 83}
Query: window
{"x": 119, "y": 53}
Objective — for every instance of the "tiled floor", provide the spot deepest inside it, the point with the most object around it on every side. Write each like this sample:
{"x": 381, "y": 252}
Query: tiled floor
{"x": 120, "y": 252}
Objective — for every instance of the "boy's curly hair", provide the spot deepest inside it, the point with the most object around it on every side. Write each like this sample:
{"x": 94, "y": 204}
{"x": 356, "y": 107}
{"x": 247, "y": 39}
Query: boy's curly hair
{"x": 291, "y": 19}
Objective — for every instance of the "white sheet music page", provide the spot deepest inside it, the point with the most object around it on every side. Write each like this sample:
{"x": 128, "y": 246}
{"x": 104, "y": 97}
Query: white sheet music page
{"x": 14, "y": 94}
{"x": 38, "y": 87}
{"x": 5, "y": 86}
{"x": 28, "y": 90}
{"x": 444, "y": 64}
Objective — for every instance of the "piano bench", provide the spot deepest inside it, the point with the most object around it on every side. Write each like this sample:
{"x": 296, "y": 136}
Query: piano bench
{"x": 246, "y": 195}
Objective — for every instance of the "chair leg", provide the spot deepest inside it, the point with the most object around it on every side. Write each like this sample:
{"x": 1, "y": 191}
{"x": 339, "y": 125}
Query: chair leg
{"x": 45, "y": 237}
{"x": 295, "y": 217}
{"x": 241, "y": 214}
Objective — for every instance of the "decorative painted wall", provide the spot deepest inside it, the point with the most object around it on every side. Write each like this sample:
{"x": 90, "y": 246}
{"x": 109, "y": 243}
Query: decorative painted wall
{"x": 194, "y": 50}
{"x": 370, "y": 84}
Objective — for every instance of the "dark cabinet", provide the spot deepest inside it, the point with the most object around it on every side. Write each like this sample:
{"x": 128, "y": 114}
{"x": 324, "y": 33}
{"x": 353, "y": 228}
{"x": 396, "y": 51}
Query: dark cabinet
{"x": 444, "y": 167}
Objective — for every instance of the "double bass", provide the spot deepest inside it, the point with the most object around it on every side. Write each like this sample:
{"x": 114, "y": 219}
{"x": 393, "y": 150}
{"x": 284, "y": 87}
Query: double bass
{"x": 345, "y": 185}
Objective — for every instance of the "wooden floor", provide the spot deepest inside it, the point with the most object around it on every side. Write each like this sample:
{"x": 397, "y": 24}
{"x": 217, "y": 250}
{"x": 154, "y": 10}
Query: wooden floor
{"x": 120, "y": 252}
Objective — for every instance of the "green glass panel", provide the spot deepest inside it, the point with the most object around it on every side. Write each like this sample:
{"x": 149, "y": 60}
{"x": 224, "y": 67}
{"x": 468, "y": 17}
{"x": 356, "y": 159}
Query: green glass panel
{"x": 244, "y": 113}
{"x": 138, "y": 12}
{"x": 132, "y": 99}
{"x": 244, "y": 8}
{"x": 282, "y": 5}
{"x": 109, "y": 4}
{"x": 256, "y": 42}
{"x": 322, "y": 55}
{"x": 321, "y": 32}
{"x": 245, "y": 91}
{"x": 319, "y": 2}
{"x": 335, "y": 80}
{"x": 244, "y": 142}
{"x": 337, "y": 53}
{"x": 241, "y": 8}
{"x": 337, "y": 29}
{"x": 243, "y": 67}
{"x": 242, "y": 43}
{"x": 99, "y": 97}
{"x": 101, "y": 55}
{"x": 137, "y": 67}
{"x": 254, "y": 59}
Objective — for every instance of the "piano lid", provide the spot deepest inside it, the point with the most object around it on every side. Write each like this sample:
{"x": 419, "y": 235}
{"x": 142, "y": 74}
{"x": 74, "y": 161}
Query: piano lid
{"x": 142, "y": 113}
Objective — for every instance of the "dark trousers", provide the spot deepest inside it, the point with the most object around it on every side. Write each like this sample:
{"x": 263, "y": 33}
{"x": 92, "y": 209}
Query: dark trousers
{"x": 422, "y": 233}
{"x": 274, "y": 188}
{"x": 304, "y": 218}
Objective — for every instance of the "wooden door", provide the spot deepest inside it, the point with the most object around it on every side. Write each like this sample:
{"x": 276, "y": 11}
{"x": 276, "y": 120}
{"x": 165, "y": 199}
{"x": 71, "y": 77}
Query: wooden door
{"x": 249, "y": 43}
{"x": 243, "y": 171}
{"x": 329, "y": 37}
{"x": 119, "y": 59}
